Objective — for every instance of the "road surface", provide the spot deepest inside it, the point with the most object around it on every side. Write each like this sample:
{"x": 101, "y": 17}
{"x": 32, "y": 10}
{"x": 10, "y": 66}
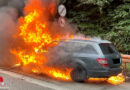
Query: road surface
{"x": 20, "y": 82}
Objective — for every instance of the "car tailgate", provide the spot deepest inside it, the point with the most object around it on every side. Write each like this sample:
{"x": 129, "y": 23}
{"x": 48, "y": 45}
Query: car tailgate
{"x": 114, "y": 60}
{"x": 111, "y": 54}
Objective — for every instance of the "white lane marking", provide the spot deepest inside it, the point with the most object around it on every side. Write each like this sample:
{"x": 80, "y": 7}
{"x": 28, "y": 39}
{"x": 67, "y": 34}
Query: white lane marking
{"x": 32, "y": 80}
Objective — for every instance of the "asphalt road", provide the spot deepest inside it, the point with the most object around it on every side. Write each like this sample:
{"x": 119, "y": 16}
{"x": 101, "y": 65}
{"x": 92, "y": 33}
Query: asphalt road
{"x": 20, "y": 82}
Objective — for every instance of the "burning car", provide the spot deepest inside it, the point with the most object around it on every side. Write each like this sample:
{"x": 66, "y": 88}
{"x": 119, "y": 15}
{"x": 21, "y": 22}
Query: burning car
{"x": 89, "y": 58}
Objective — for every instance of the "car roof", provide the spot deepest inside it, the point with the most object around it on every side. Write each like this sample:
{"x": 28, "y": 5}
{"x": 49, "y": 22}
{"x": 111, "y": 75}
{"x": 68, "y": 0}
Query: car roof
{"x": 86, "y": 41}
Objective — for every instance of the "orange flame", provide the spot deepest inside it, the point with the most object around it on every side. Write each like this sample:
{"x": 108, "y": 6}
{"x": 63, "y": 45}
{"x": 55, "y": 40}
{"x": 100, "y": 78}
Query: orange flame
{"x": 114, "y": 80}
{"x": 34, "y": 30}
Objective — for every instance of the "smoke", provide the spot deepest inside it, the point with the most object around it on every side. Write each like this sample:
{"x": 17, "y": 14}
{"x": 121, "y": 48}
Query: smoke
{"x": 17, "y": 4}
{"x": 63, "y": 55}
{"x": 9, "y": 11}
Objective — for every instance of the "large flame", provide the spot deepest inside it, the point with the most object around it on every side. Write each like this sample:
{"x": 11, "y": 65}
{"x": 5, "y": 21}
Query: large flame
{"x": 34, "y": 31}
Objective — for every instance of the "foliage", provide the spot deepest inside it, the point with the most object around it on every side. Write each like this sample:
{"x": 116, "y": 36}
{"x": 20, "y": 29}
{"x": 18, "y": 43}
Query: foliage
{"x": 128, "y": 67}
{"x": 109, "y": 19}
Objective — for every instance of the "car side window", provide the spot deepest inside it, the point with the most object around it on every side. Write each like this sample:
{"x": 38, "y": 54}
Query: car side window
{"x": 70, "y": 46}
{"x": 77, "y": 47}
{"x": 89, "y": 49}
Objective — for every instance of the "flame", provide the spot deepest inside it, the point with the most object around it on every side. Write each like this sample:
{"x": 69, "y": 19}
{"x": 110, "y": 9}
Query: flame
{"x": 34, "y": 31}
{"x": 35, "y": 70}
{"x": 97, "y": 80}
{"x": 17, "y": 65}
{"x": 114, "y": 80}
{"x": 60, "y": 74}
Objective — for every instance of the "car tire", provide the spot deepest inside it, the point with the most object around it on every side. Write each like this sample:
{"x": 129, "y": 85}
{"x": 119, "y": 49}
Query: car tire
{"x": 79, "y": 74}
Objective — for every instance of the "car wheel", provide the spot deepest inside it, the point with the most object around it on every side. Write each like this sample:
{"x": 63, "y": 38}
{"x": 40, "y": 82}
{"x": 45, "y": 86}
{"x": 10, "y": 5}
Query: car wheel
{"x": 79, "y": 74}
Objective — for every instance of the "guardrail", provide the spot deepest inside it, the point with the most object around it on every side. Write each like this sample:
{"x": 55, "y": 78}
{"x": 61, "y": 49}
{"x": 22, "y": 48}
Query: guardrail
{"x": 125, "y": 60}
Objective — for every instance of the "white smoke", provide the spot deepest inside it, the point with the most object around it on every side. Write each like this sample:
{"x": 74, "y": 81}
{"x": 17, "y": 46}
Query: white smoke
{"x": 9, "y": 11}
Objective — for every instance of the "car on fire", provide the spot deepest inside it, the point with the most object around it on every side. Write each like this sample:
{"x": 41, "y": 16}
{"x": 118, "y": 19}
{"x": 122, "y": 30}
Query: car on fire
{"x": 91, "y": 58}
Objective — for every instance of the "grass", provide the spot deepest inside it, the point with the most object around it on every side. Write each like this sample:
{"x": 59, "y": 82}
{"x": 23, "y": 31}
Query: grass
{"x": 128, "y": 67}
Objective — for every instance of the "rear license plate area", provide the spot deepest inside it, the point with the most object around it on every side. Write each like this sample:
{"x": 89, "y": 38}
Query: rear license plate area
{"x": 116, "y": 61}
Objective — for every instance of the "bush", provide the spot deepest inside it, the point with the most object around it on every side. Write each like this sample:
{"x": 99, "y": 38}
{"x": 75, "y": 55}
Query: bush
{"x": 109, "y": 19}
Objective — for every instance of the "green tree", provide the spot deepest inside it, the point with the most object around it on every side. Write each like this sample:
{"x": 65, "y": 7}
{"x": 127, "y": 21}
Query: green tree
{"x": 109, "y": 19}
{"x": 120, "y": 27}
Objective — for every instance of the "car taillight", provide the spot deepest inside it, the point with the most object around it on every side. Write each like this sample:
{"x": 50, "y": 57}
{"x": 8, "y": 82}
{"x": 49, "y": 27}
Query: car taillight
{"x": 2, "y": 84}
{"x": 1, "y": 79}
{"x": 103, "y": 62}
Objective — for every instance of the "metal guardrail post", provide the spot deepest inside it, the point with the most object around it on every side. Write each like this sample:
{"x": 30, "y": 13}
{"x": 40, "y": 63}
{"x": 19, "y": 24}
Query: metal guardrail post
{"x": 125, "y": 59}
{"x": 125, "y": 70}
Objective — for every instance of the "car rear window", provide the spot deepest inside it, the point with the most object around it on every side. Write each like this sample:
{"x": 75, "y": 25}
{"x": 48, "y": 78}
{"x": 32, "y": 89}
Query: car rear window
{"x": 107, "y": 48}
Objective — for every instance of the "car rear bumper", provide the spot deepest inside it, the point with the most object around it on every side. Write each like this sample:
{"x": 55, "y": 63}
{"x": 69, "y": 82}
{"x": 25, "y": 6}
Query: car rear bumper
{"x": 104, "y": 73}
